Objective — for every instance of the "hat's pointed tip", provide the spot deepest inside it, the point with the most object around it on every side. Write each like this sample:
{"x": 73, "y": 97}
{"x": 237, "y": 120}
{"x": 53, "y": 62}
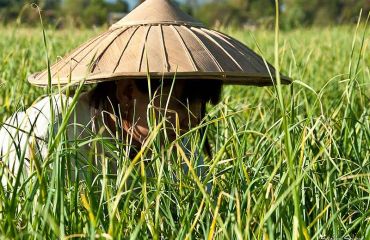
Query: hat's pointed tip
{"x": 156, "y": 12}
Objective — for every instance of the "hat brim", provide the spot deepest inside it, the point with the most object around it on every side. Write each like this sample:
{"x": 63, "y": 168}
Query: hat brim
{"x": 227, "y": 78}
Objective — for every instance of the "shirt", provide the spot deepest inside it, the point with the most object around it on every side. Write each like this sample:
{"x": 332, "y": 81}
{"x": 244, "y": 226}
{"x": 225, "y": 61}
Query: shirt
{"x": 26, "y": 134}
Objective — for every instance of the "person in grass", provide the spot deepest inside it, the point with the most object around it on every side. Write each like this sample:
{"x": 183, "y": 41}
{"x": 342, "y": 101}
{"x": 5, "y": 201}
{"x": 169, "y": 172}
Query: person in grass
{"x": 111, "y": 107}
{"x": 156, "y": 40}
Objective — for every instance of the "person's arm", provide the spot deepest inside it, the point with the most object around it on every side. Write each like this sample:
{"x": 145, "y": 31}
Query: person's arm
{"x": 15, "y": 135}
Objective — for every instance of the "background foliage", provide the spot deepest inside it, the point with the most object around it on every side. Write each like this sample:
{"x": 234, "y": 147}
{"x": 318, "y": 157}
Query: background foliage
{"x": 294, "y": 13}
{"x": 255, "y": 179}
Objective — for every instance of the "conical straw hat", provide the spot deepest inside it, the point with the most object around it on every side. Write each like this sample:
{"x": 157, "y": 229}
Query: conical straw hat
{"x": 157, "y": 37}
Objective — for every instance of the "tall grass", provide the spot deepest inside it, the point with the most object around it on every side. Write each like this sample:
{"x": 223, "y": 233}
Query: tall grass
{"x": 292, "y": 163}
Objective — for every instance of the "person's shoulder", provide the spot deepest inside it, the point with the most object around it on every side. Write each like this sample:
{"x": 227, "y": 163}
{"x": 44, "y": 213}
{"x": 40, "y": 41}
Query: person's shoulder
{"x": 46, "y": 104}
{"x": 45, "y": 111}
{"x": 12, "y": 123}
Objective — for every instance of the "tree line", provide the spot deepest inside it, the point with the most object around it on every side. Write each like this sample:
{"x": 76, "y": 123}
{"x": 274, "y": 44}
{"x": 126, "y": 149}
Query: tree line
{"x": 294, "y": 13}
{"x": 60, "y": 12}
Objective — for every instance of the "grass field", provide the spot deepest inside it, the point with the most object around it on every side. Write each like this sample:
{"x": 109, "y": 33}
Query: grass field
{"x": 289, "y": 165}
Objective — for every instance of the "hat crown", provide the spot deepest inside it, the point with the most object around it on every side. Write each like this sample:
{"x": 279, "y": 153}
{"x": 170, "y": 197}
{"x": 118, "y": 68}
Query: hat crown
{"x": 154, "y": 12}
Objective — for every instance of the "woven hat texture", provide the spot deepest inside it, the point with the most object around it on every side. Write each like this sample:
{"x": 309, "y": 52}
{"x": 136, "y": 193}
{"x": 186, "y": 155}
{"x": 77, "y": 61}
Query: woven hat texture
{"x": 160, "y": 39}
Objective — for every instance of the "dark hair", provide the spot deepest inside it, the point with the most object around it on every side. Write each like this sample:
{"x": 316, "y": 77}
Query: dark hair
{"x": 206, "y": 90}
{"x": 103, "y": 96}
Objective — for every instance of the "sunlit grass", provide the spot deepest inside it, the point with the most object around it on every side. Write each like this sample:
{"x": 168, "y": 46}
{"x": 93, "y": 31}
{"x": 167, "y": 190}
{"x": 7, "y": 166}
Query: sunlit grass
{"x": 251, "y": 196}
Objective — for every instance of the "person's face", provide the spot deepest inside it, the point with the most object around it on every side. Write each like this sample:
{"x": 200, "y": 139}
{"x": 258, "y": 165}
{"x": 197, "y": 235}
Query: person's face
{"x": 181, "y": 112}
